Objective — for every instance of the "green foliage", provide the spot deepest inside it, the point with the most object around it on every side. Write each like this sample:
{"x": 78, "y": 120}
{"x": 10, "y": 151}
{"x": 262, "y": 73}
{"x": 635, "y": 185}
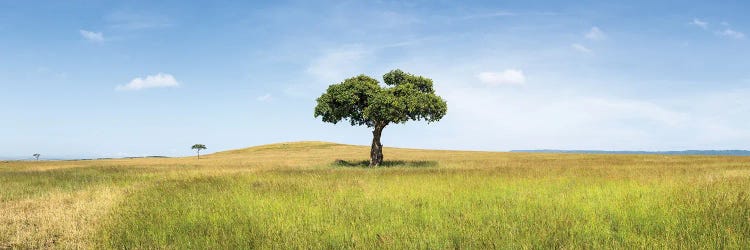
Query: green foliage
{"x": 348, "y": 100}
{"x": 198, "y": 147}
{"x": 362, "y": 100}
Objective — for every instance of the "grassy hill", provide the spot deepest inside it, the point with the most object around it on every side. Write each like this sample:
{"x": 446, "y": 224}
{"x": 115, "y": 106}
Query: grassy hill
{"x": 316, "y": 195}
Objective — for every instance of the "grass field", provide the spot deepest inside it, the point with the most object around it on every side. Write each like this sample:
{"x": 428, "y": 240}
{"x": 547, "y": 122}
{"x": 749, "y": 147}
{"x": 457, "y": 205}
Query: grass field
{"x": 316, "y": 195}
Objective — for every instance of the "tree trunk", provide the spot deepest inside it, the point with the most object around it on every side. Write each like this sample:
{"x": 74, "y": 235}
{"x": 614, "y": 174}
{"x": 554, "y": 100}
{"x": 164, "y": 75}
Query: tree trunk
{"x": 199, "y": 154}
{"x": 376, "y": 151}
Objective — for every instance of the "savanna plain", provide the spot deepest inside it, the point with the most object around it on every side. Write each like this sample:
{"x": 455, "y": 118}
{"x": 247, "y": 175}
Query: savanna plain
{"x": 322, "y": 195}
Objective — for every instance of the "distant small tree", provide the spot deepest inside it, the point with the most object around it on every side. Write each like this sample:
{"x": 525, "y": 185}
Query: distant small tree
{"x": 198, "y": 148}
{"x": 36, "y": 156}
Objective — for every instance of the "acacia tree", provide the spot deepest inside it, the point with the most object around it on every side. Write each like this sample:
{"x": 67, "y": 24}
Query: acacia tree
{"x": 198, "y": 148}
{"x": 36, "y": 156}
{"x": 362, "y": 101}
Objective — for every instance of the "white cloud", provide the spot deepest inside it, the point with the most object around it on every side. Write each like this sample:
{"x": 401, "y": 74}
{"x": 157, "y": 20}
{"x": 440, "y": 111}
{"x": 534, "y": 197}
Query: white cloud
{"x": 92, "y": 36}
{"x": 265, "y": 98}
{"x": 731, "y": 34}
{"x": 159, "y": 80}
{"x": 337, "y": 64}
{"x": 507, "y": 77}
{"x": 699, "y": 23}
{"x": 580, "y": 48}
{"x": 595, "y": 34}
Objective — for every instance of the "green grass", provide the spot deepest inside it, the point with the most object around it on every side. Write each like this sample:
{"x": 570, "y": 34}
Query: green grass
{"x": 300, "y": 196}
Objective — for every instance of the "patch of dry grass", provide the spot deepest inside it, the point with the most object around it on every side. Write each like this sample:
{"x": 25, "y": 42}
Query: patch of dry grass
{"x": 57, "y": 219}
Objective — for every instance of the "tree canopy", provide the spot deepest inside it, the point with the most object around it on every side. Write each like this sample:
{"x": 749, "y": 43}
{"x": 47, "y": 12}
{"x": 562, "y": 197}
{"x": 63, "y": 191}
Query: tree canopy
{"x": 198, "y": 148}
{"x": 362, "y": 101}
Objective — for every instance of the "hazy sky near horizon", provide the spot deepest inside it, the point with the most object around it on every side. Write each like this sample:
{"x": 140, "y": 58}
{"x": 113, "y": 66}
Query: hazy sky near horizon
{"x": 130, "y": 78}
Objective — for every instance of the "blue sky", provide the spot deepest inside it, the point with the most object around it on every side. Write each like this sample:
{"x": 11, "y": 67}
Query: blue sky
{"x": 110, "y": 79}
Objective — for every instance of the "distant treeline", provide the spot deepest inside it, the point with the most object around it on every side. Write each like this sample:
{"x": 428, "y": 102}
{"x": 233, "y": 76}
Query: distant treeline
{"x": 684, "y": 152}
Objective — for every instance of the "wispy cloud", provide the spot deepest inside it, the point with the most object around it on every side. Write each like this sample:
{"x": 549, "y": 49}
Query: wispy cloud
{"x": 506, "y": 77}
{"x": 725, "y": 32}
{"x": 49, "y": 72}
{"x": 160, "y": 80}
{"x": 405, "y": 43}
{"x": 395, "y": 19}
{"x": 595, "y": 34}
{"x": 336, "y": 64}
{"x": 731, "y": 33}
{"x": 92, "y": 36}
{"x": 137, "y": 20}
{"x": 580, "y": 48}
{"x": 501, "y": 13}
{"x": 578, "y": 117}
{"x": 699, "y": 23}
{"x": 264, "y": 98}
